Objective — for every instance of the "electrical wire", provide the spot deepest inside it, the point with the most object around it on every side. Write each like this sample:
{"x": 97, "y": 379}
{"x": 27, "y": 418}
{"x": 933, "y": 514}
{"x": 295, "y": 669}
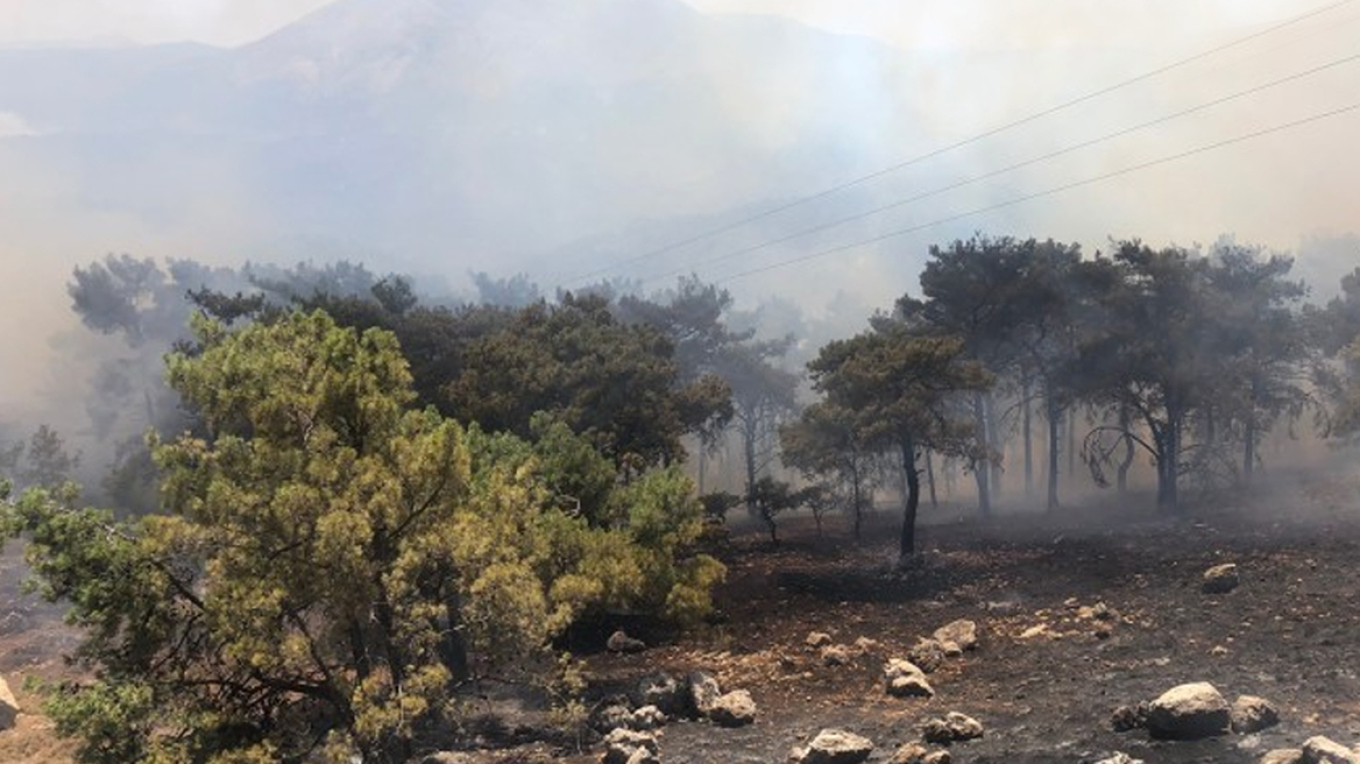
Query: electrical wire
{"x": 822, "y": 227}
{"x": 1032, "y": 117}
{"x": 1040, "y": 194}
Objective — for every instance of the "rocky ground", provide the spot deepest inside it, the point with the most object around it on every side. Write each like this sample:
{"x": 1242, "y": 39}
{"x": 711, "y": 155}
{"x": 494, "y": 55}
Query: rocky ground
{"x": 1076, "y": 614}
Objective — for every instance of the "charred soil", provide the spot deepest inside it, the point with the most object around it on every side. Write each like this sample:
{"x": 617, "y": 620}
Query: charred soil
{"x": 1072, "y": 623}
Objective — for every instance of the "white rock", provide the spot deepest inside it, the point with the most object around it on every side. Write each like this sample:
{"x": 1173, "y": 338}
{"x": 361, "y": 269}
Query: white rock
{"x": 904, "y": 679}
{"x": 1189, "y": 712}
{"x": 962, "y": 633}
{"x": 1321, "y": 750}
{"x": 9, "y": 707}
{"x": 833, "y": 746}
{"x": 735, "y": 709}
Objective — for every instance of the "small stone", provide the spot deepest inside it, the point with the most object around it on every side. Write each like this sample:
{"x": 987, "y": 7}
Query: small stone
{"x": 1218, "y": 651}
{"x": 1252, "y": 714}
{"x": 1220, "y": 579}
{"x": 446, "y": 757}
{"x": 624, "y": 746}
{"x": 1189, "y": 712}
{"x": 1321, "y": 750}
{"x": 927, "y": 654}
{"x": 666, "y": 692}
{"x": 647, "y": 718}
{"x": 1283, "y": 756}
{"x": 704, "y": 692}
{"x": 953, "y": 728}
{"x": 833, "y": 746}
{"x": 735, "y": 709}
{"x": 620, "y": 642}
{"x": 937, "y": 757}
{"x": 961, "y": 633}
{"x": 611, "y": 717}
{"x": 835, "y": 655}
{"x": 903, "y": 679}
{"x": 865, "y": 644}
{"x": 1035, "y": 631}
{"x": 909, "y": 753}
{"x": 817, "y": 639}
{"x": 1126, "y": 718}
{"x": 1119, "y": 757}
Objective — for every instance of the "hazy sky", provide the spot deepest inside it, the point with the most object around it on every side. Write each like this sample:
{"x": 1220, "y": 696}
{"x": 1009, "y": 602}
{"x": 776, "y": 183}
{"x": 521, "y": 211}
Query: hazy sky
{"x": 920, "y": 23}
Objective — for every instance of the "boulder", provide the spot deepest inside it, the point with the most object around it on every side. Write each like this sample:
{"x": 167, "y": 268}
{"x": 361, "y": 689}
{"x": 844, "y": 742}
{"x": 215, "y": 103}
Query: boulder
{"x": 624, "y": 746}
{"x": 9, "y": 707}
{"x": 704, "y": 691}
{"x": 817, "y": 639}
{"x": 903, "y": 679}
{"x": 927, "y": 654}
{"x": 833, "y": 746}
{"x": 1283, "y": 756}
{"x": 957, "y": 636}
{"x": 1189, "y": 712}
{"x": 953, "y": 728}
{"x": 1220, "y": 579}
{"x": 1252, "y": 714}
{"x": 836, "y": 655}
{"x": 668, "y": 693}
{"x": 1321, "y": 750}
{"x": 620, "y": 642}
{"x": 735, "y": 709}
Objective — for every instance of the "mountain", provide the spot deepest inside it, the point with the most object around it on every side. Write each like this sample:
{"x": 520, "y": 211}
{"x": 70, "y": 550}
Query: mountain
{"x": 477, "y": 131}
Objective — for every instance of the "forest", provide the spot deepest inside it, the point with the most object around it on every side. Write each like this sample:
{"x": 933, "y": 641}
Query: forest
{"x": 316, "y": 506}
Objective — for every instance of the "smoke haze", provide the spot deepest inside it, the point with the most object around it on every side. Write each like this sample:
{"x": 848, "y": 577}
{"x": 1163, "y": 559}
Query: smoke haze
{"x": 574, "y": 141}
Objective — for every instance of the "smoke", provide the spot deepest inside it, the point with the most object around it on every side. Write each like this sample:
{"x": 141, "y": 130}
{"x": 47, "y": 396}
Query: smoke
{"x": 587, "y": 138}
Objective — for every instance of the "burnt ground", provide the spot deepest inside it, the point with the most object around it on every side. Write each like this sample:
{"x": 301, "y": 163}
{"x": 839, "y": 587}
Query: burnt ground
{"x": 1290, "y": 632}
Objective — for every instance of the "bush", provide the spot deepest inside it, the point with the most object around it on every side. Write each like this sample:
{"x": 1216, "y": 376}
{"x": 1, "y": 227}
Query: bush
{"x": 331, "y": 563}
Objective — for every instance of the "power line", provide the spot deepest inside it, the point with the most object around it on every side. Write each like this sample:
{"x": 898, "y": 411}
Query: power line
{"x": 1009, "y": 168}
{"x": 1040, "y": 194}
{"x": 709, "y": 233}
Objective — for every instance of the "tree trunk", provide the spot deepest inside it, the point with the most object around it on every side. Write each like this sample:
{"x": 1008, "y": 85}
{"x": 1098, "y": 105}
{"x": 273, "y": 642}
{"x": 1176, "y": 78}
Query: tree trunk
{"x": 997, "y": 446}
{"x": 1054, "y": 424}
{"x": 980, "y": 470}
{"x": 930, "y": 477}
{"x": 1122, "y": 474}
{"x": 907, "y": 543}
{"x": 748, "y": 453}
{"x": 1026, "y": 434}
{"x": 855, "y": 497}
{"x": 1168, "y": 461}
{"x": 453, "y": 648}
{"x": 1071, "y": 441}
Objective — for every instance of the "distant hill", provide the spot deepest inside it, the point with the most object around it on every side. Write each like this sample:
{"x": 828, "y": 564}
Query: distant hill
{"x": 485, "y": 130}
